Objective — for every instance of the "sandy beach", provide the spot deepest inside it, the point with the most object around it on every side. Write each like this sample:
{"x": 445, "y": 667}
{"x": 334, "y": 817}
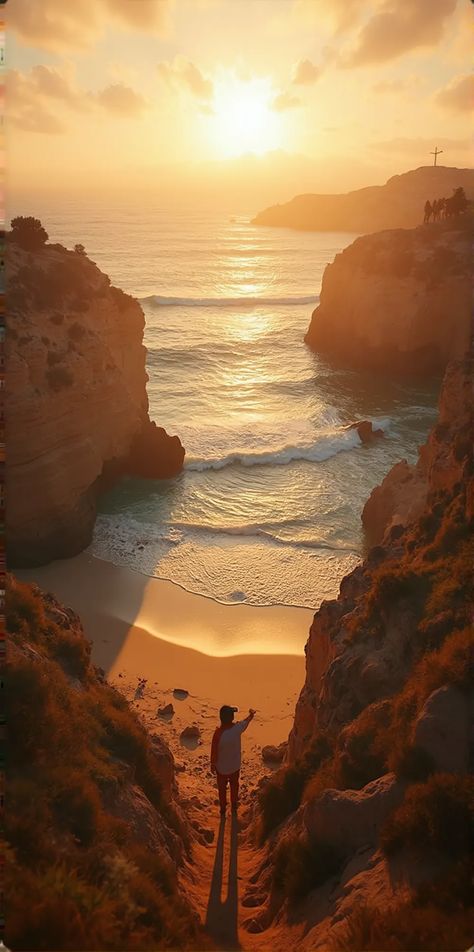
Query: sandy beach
{"x": 144, "y": 627}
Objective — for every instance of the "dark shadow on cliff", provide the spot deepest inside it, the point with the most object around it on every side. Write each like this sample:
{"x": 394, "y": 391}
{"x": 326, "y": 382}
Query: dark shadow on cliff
{"x": 108, "y": 602}
{"x": 221, "y": 916}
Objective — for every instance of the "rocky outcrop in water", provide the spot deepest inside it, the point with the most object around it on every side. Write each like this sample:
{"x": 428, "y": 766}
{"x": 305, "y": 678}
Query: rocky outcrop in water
{"x": 398, "y": 301}
{"x": 397, "y": 204}
{"x": 77, "y": 406}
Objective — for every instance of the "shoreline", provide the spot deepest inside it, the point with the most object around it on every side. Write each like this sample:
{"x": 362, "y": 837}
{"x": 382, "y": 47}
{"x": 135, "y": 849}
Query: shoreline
{"x": 147, "y": 628}
{"x": 171, "y": 613}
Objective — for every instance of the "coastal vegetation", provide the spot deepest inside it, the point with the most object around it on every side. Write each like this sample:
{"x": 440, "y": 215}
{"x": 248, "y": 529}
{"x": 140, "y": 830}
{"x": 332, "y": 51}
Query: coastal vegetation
{"x": 91, "y": 861}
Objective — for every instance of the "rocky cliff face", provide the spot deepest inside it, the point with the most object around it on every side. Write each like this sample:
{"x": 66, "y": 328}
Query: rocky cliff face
{"x": 398, "y": 300}
{"x": 346, "y": 669}
{"x": 371, "y": 810}
{"x": 397, "y": 204}
{"x": 402, "y": 496}
{"x": 77, "y": 407}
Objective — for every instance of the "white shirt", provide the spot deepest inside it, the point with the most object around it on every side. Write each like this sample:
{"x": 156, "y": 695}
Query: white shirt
{"x": 229, "y": 750}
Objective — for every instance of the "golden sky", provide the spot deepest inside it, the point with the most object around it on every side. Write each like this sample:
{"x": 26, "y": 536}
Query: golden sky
{"x": 262, "y": 97}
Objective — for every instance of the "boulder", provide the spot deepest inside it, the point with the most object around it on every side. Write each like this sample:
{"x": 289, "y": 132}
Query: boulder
{"x": 190, "y": 733}
{"x": 274, "y": 755}
{"x": 366, "y": 432}
{"x": 180, "y": 694}
{"x": 442, "y": 729}
{"x": 350, "y": 819}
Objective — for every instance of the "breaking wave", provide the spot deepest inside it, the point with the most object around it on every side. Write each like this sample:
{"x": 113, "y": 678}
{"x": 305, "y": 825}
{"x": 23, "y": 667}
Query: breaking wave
{"x": 156, "y": 300}
{"x": 322, "y": 449}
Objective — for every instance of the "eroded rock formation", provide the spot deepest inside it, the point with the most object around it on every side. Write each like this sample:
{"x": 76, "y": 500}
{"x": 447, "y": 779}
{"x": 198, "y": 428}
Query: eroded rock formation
{"x": 397, "y": 301}
{"x": 402, "y": 495}
{"x": 77, "y": 406}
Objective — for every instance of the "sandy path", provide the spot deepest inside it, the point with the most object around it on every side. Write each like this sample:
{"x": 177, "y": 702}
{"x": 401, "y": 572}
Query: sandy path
{"x": 241, "y": 655}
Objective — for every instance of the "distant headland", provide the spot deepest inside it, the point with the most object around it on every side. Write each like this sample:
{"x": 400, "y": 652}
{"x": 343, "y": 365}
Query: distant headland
{"x": 397, "y": 204}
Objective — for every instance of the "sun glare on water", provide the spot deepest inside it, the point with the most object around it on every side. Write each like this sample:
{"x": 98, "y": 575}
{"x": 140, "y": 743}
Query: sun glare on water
{"x": 243, "y": 119}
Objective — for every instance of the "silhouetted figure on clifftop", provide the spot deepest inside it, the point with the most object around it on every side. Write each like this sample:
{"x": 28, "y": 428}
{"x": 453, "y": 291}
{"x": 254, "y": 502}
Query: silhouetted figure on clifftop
{"x": 451, "y": 207}
{"x": 428, "y": 212}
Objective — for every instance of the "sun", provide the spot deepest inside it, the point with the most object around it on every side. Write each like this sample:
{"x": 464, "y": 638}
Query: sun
{"x": 242, "y": 119}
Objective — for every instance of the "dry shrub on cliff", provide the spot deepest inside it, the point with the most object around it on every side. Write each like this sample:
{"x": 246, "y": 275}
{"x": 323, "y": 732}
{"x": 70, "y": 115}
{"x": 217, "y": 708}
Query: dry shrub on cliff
{"x": 435, "y": 817}
{"x": 59, "y": 378}
{"x": 76, "y": 331}
{"x": 282, "y": 794}
{"x": 407, "y": 924}
{"x": 380, "y": 738}
{"x": 78, "y": 876}
{"x": 300, "y": 865}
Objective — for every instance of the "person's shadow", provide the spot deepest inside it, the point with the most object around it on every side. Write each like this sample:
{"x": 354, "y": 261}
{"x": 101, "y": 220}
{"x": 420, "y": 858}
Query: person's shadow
{"x": 221, "y": 915}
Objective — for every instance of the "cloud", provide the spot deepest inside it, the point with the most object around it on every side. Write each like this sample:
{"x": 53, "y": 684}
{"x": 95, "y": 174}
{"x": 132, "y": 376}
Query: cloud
{"x": 25, "y": 110}
{"x": 285, "y": 101}
{"x": 305, "y": 73}
{"x": 398, "y": 27}
{"x": 389, "y": 86}
{"x": 33, "y": 98}
{"x": 343, "y": 14}
{"x": 56, "y": 24}
{"x": 459, "y": 95}
{"x": 181, "y": 73}
{"x": 121, "y": 100}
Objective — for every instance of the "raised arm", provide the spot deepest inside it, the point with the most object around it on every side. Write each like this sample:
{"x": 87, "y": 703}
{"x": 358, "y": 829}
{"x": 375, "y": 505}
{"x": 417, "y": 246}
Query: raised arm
{"x": 246, "y": 721}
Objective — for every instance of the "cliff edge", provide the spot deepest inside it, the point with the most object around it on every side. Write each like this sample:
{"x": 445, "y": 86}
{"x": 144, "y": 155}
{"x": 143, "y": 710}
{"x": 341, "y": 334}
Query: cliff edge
{"x": 76, "y": 400}
{"x": 397, "y": 204}
{"x": 398, "y": 301}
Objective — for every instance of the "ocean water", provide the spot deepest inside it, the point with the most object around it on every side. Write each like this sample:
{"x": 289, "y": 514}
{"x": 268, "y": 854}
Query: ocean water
{"x": 267, "y": 509}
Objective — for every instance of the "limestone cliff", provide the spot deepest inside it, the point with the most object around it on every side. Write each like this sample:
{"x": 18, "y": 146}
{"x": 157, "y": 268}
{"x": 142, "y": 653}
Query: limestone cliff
{"x": 346, "y": 669}
{"x": 398, "y": 301}
{"x": 397, "y": 204}
{"x": 77, "y": 406}
{"x": 366, "y": 826}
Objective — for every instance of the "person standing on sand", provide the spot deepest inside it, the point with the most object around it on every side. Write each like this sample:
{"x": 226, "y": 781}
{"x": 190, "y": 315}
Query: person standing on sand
{"x": 226, "y": 755}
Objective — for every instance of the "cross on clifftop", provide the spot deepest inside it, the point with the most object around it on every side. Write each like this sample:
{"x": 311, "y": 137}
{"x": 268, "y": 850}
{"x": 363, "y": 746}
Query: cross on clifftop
{"x": 436, "y": 153}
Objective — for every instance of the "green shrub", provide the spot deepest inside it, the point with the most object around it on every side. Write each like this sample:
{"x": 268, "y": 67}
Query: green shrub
{"x": 28, "y": 233}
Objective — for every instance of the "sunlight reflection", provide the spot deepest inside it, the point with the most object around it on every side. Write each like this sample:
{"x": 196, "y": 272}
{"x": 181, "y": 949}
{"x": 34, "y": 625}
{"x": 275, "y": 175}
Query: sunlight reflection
{"x": 251, "y": 325}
